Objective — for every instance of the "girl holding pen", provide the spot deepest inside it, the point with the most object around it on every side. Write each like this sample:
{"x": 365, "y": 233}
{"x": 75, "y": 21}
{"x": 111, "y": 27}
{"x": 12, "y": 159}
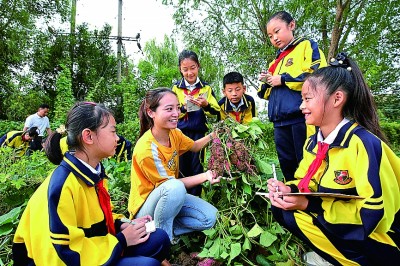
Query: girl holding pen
{"x": 348, "y": 155}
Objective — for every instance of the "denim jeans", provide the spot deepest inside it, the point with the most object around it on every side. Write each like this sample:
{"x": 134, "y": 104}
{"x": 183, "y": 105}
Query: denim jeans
{"x": 177, "y": 212}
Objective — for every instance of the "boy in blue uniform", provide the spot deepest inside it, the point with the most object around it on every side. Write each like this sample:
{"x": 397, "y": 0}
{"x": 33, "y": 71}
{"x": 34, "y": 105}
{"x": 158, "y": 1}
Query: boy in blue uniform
{"x": 236, "y": 103}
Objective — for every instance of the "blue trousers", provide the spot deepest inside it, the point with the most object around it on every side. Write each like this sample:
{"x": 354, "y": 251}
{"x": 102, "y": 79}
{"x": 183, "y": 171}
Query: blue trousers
{"x": 152, "y": 252}
{"x": 289, "y": 142}
{"x": 190, "y": 162}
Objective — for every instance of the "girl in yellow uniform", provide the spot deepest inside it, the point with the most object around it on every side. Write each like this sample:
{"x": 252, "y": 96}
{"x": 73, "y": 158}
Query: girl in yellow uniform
{"x": 348, "y": 156}
{"x": 155, "y": 189}
{"x": 68, "y": 220}
{"x": 197, "y": 101}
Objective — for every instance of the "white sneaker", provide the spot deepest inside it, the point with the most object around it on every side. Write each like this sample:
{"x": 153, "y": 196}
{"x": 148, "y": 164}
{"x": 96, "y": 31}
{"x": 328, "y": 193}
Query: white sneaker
{"x": 313, "y": 259}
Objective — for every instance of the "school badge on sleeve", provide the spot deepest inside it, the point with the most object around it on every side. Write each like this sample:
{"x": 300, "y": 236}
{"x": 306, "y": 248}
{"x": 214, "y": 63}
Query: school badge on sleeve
{"x": 342, "y": 177}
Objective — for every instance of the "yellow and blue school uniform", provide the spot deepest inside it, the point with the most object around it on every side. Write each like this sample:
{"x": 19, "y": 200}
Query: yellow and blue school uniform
{"x": 63, "y": 222}
{"x": 13, "y": 139}
{"x": 194, "y": 125}
{"x": 196, "y": 120}
{"x": 243, "y": 113}
{"x": 153, "y": 164}
{"x": 290, "y": 130}
{"x": 124, "y": 149}
{"x": 350, "y": 231}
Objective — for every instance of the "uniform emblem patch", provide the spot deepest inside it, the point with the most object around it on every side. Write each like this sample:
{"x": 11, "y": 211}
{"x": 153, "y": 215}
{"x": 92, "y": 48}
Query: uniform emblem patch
{"x": 289, "y": 62}
{"x": 342, "y": 177}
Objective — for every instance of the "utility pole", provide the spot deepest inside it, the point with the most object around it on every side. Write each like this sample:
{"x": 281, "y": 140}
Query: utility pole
{"x": 72, "y": 39}
{"x": 119, "y": 40}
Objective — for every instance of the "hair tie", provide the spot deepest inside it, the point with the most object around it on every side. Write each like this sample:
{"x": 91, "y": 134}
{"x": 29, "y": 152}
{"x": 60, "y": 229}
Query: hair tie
{"x": 341, "y": 60}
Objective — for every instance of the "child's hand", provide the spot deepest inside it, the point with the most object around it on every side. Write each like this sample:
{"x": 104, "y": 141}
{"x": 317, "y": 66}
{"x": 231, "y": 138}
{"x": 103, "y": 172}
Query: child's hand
{"x": 143, "y": 219}
{"x": 274, "y": 80}
{"x": 201, "y": 101}
{"x": 135, "y": 233}
{"x": 263, "y": 76}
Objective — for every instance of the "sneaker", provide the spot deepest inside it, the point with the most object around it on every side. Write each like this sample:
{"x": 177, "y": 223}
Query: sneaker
{"x": 175, "y": 240}
{"x": 313, "y": 259}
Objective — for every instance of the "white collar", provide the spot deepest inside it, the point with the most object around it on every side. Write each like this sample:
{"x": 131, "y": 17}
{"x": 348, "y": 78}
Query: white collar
{"x": 331, "y": 137}
{"x": 96, "y": 171}
{"x": 234, "y": 107}
{"x": 192, "y": 86}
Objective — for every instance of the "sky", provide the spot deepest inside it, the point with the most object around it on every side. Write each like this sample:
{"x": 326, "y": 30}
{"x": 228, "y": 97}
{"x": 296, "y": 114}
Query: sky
{"x": 150, "y": 18}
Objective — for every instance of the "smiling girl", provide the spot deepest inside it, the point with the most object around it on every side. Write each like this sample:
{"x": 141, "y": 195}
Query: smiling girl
{"x": 197, "y": 100}
{"x": 348, "y": 155}
{"x": 155, "y": 189}
{"x": 68, "y": 220}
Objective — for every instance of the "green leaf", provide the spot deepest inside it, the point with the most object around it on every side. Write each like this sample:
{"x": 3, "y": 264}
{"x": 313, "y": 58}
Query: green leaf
{"x": 241, "y": 128}
{"x": 235, "y": 251}
{"x": 247, "y": 189}
{"x": 264, "y": 167}
{"x": 215, "y": 250}
{"x": 267, "y": 239}
{"x": 10, "y": 216}
{"x": 262, "y": 260}
{"x": 6, "y": 229}
{"x": 246, "y": 244}
{"x": 255, "y": 231}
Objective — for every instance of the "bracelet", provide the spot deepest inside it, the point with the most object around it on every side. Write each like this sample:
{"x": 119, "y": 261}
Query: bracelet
{"x": 211, "y": 137}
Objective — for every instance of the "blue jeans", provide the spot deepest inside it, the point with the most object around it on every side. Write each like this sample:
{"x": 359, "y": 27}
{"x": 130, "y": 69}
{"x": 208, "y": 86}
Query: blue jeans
{"x": 177, "y": 212}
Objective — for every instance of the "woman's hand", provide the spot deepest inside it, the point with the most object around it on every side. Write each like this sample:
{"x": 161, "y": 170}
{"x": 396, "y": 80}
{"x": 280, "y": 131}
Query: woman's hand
{"x": 212, "y": 177}
{"x": 135, "y": 233}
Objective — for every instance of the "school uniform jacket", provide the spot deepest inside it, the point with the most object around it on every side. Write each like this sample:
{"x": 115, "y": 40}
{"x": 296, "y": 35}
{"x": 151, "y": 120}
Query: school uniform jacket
{"x": 357, "y": 163}
{"x": 196, "y": 120}
{"x": 153, "y": 164}
{"x": 14, "y": 140}
{"x": 63, "y": 223}
{"x": 284, "y": 100}
{"x": 245, "y": 113}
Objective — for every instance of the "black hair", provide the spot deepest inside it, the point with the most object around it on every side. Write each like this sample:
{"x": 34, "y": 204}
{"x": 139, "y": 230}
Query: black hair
{"x": 188, "y": 54}
{"x": 44, "y": 106}
{"x": 33, "y": 132}
{"x": 83, "y": 115}
{"x": 345, "y": 75}
{"x": 151, "y": 101}
{"x": 282, "y": 15}
{"x": 232, "y": 77}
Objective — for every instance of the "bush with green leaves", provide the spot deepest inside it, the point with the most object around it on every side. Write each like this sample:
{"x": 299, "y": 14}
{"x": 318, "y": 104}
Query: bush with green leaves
{"x": 245, "y": 231}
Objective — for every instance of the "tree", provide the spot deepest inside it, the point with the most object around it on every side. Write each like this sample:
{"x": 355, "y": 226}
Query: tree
{"x": 18, "y": 28}
{"x": 234, "y": 30}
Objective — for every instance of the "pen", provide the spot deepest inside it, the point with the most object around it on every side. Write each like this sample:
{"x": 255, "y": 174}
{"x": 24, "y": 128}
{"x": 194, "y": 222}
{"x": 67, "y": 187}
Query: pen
{"x": 275, "y": 178}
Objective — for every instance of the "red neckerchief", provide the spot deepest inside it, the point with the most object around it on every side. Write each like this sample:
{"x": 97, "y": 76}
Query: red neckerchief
{"x": 312, "y": 169}
{"x": 272, "y": 68}
{"x": 191, "y": 93}
{"x": 237, "y": 115}
{"x": 104, "y": 199}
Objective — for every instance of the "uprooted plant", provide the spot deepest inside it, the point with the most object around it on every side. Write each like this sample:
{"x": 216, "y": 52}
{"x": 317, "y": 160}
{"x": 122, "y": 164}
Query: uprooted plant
{"x": 245, "y": 232}
{"x": 229, "y": 155}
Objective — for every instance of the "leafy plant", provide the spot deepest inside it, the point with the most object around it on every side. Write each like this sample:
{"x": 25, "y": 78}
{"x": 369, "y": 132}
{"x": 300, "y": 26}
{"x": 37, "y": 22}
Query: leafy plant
{"x": 245, "y": 231}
